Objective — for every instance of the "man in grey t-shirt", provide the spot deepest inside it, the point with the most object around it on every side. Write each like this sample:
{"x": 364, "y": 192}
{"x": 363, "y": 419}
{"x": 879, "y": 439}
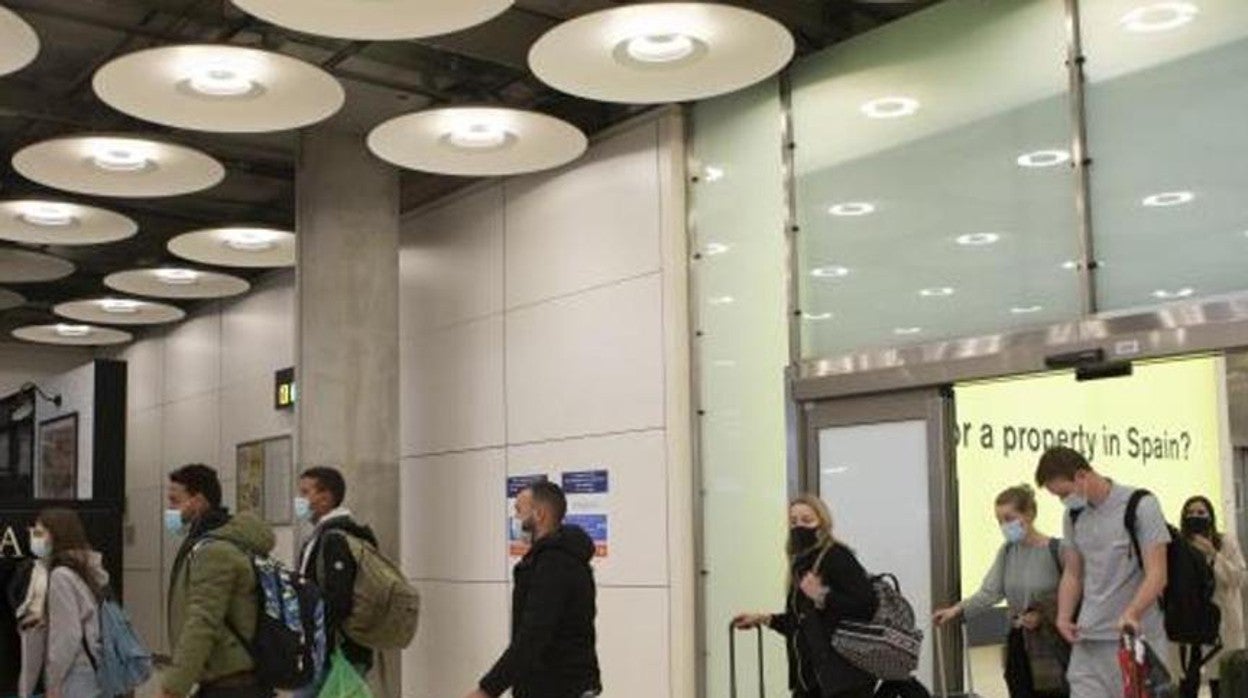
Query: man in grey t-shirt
{"x": 1102, "y": 571}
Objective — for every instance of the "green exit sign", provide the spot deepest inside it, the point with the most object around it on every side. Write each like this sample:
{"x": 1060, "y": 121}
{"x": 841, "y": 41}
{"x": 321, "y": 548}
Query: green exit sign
{"x": 284, "y": 392}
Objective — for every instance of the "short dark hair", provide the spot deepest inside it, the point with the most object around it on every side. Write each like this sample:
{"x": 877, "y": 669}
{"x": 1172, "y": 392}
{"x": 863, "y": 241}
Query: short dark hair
{"x": 198, "y": 478}
{"x": 328, "y": 479}
{"x": 1060, "y": 463}
{"x": 550, "y": 495}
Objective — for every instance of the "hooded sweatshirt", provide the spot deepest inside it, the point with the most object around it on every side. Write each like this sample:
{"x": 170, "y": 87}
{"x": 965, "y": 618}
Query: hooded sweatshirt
{"x": 53, "y": 634}
{"x": 553, "y": 643}
{"x": 212, "y": 593}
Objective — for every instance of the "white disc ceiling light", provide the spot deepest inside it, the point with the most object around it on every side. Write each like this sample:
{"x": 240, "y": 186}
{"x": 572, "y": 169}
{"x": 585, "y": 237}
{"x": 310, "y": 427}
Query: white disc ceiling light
{"x": 376, "y": 20}
{"x": 477, "y": 141}
{"x": 119, "y": 311}
{"x": 46, "y": 222}
{"x": 651, "y": 53}
{"x": 236, "y": 247}
{"x": 9, "y": 300}
{"x": 176, "y": 283}
{"x": 25, "y": 267}
{"x": 224, "y": 89}
{"x": 18, "y": 42}
{"x": 72, "y": 334}
{"x": 118, "y": 166}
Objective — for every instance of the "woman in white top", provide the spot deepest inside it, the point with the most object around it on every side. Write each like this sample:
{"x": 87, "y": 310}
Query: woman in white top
{"x": 1025, "y": 575}
{"x": 58, "y": 620}
{"x": 1200, "y": 527}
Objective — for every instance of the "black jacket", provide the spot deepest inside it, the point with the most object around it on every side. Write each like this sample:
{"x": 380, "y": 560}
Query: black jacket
{"x": 330, "y": 552}
{"x": 552, "y": 652}
{"x": 851, "y": 596}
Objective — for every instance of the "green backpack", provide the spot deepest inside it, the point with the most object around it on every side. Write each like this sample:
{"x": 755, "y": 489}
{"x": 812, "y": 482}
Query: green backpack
{"x": 386, "y": 607}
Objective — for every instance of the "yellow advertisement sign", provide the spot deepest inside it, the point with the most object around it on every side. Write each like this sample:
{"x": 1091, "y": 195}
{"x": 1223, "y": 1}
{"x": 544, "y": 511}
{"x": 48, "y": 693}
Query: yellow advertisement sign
{"x": 1158, "y": 429}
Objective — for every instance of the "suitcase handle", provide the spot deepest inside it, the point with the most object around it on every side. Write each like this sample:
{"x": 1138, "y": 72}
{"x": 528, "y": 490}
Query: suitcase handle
{"x": 732, "y": 661}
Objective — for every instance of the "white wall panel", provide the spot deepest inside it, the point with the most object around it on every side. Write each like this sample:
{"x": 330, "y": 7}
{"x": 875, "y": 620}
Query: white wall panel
{"x": 588, "y": 225}
{"x": 637, "y": 500}
{"x": 193, "y": 356}
{"x": 191, "y": 430}
{"x": 451, "y": 264}
{"x": 258, "y": 332}
{"x": 145, "y": 372}
{"x": 247, "y": 414}
{"x": 633, "y": 643}
{"x": 464, "y": 628}
{"x": 587, "y": 364}
{"x": 454, "y": 525}
{"x": 144, "y": 512}
{"x": 452, "y": 397}
{"x": 144, "y": 456}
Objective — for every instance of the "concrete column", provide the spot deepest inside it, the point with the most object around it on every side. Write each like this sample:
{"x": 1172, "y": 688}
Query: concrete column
{"x": 347, "y": 204}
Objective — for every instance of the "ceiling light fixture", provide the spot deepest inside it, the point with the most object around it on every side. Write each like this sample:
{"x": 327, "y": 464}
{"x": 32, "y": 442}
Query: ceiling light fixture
{"x": 222, "y": 78}
{"x": 1159, "y": 17}
{"x": 937, "y": 292}
{"x": 713, "y": 174}
{"x": 891, "y": 107}
{"x": 119, "y": 156}
{"x": 120, "y": 306}
{"x": 906, "y": 331}
{"x": 177, "y": 277}
{"x": 661, "y": 48}
{"x": 721, "y": 300}
{"x": 1044, "y": 158}
{"x": 816, "y": 317}
{"x": 714, "y": 248}
{"x": 1071, "y": 265}
{"x": 852, "y": 209}
{"x": 978, "y": 239}
{"x": 73, "y": 331}
{"x": 1026, "y": 309}
{"x": 1169, "y": 198}
{"x": 829, "y": 272}
{"x": 1167, "y": 295}
{"x": 47, "y": 215}
{"x": 250, "y": 239}
{"x": 478, "y": 136}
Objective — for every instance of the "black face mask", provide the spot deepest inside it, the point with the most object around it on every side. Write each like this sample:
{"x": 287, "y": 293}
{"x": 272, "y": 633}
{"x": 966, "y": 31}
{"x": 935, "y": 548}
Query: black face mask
{"x": 802, "y": 538}
{"x": 1197, "y": 525}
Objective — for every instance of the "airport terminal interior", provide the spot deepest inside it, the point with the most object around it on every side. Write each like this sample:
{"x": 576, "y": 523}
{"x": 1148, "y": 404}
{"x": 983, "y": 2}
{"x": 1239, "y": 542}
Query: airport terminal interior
{"x": 688, "y": 260}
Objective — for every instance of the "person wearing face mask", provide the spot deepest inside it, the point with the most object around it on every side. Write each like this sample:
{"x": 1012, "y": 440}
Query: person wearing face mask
{"x": 818, "y": 600}
{"x": 553, "y": 649}
{"x": 326, "y": 556}
{"x": 1120, "y": 590}
{"x": 58, "y": 620}
{"x": 212, "y": 606}
{"x": 1025, "y": 575}
{"x": 1200, "y": 528}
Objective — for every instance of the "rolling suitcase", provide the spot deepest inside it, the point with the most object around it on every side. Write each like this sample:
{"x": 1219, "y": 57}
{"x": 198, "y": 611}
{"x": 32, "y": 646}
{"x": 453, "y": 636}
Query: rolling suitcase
{"x": 1234, "y": 674}
{"x": 942, "y": 676}
{"x": 732, "y": 663}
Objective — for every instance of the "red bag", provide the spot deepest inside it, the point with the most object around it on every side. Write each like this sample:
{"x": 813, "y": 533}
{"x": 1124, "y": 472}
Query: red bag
{"x": 1144, "y": 674}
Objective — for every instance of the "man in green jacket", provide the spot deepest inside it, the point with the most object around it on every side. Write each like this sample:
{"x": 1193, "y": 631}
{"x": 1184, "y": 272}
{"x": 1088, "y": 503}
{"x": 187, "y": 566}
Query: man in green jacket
{"x": 212, "y": 590}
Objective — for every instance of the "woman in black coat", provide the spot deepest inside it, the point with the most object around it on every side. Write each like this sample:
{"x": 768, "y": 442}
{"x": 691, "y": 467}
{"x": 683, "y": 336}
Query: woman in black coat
{"x": 818, "y": 600}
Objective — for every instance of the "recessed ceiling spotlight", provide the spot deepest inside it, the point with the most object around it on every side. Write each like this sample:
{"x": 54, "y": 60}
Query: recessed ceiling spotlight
{"x": 480, "y": 135}
{"x": 1026, "y": 309}
{"x": 1168, "y": 295}
{"x": 661, "y": 48}
{"x": 852, "y": 209}
{"x": 1169, "y": 198}
{"x": 829, "y": 272}
{"x": 907, "y": 331}
{"x": 816, "y": 317}
{"x": 1159, "y": 17}
{"x": 46, "y": 214}
{"x": 121, "y": 155}
{"x": 937, "y": 292}
{"x": 120, "y": 306}
{"x": 1071, "y": 265}
{"x": 721, "y": 300}
{"x": 714, "y": 248}
{"x": 891, "y": 107}
{"x": 978, "y": 239}
{"x": 250, "y": 239}
{"x": 73, "y": 331}
{"x": 177, "y": 277}
{"x": 222, "y": 77}
{"x": 713, "y": 174}
{"x": 1044, "y": 158}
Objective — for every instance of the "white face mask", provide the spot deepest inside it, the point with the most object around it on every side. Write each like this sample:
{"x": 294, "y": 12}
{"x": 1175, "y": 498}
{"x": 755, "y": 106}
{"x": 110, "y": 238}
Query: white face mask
{"x": 303, "y": 509}
{"x": 41, "y": 547}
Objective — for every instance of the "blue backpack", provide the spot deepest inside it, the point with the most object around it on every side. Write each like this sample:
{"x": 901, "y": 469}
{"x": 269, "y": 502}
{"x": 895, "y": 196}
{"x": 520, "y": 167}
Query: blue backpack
{"x": 122, "y": 663}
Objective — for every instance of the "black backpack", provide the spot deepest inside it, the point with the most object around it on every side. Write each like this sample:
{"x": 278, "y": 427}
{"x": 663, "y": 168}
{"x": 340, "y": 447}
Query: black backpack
{"x": 1192, "y": 617}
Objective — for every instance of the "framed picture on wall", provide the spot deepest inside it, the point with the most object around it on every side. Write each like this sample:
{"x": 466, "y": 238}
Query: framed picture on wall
{"x": 264, "y": 485}
{"x": 57, "y": 476}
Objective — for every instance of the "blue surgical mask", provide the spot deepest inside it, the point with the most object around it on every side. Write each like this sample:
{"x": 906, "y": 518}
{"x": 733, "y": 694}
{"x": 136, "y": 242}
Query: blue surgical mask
{"x": 173, "y": 522}
{"x": 303, "y": 509}
{"x": 1014, "y": 531}
{"x": 41, "y": 547}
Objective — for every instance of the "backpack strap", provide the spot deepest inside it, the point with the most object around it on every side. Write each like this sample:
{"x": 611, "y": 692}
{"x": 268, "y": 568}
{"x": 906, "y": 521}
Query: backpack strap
{"x": 1131, "y": 518}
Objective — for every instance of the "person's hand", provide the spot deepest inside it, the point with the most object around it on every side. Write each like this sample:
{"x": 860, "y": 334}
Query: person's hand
{"x": 1068, "y": 630}
{"x": 1204, "y": 545}
{"x": 946, "y": 615}
{"x": 1129, "y": 624}
{"x": 1029, "y": 620}
{"x": 747, "y": 621}
{"x": 477, "y": 693}
{"x": 812, "y": 586}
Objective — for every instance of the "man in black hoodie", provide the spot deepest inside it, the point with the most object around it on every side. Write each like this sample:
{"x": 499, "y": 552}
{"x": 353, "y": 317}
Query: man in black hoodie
{"x": 326, "y": 557}
{"x": 553, "y": 644}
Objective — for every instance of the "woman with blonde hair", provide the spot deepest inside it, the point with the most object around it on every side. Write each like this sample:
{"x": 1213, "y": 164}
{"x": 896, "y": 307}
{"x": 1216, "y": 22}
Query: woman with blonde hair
{"x": 818, "y": 600}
